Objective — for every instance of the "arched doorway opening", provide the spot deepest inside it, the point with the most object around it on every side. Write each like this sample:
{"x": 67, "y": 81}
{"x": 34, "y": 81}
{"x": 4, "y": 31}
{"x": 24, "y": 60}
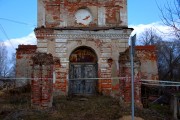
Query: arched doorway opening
{"x": 83, "y": 71}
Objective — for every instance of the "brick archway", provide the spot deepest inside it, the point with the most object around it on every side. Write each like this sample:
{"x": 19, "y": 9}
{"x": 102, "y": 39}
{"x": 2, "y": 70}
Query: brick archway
{"x": 82, "y": 71}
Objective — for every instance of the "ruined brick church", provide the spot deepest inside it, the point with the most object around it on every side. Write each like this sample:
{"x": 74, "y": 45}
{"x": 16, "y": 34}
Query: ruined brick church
{"x": 82, "y": 49}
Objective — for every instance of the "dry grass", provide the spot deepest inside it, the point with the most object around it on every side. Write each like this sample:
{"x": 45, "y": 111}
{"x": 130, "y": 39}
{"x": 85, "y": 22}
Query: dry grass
{"x": 89, "y": 108}
{"x": 16, "y": 106}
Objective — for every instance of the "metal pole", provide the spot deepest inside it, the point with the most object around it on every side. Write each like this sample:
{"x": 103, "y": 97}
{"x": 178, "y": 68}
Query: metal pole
{"x": 132, "y": 73}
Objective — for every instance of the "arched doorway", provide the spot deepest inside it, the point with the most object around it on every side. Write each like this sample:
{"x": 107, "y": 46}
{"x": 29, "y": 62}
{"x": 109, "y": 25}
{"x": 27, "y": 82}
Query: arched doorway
{"x": 82, "y": 71}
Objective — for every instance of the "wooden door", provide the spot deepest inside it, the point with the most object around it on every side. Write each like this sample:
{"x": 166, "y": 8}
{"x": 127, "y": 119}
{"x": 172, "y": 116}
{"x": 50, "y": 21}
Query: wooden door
{"x": 79, "y": 82}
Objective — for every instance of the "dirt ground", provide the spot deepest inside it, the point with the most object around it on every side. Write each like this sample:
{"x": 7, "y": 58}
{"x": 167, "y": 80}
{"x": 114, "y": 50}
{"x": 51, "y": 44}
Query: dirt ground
{"x": 16, "y": 106}
{"x": 128, "y": 117}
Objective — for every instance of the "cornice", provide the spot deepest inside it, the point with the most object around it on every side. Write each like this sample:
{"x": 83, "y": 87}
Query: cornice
{"x": 43, "y": 33}
{"x": 83, "y": 36}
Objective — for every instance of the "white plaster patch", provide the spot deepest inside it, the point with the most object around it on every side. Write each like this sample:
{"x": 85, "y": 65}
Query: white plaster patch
{"x": 61, "y": 55}
{"x": 61, "y": 50}
{"x": 61, "y": 40}
{"x": 107, "y": 55}
{"x": 83, "y": 16}
{"x": 41, "y": 45}
{"x": 101, "y": 16}
{"x": 43, "y": 50}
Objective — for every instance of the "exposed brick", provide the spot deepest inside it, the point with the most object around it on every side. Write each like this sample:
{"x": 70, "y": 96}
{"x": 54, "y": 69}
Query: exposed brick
{"x": 59, "y": 33}
{"x": 42, "y": 87}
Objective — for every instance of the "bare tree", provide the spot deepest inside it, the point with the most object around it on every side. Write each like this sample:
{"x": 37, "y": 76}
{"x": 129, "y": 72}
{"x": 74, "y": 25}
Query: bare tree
{"x": 169, "y": 56}
{"x": 12, "y": 70}
{"x": 149, "y": 37}
{"x": 168, "y": 60}
{"x": 3, "y": 60}
{"x": 170, "y": 15}
{"x": 167, "y": 52}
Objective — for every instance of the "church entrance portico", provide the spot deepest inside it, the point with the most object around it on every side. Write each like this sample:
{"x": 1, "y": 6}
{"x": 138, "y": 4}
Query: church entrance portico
{"x": 83, "y": 71}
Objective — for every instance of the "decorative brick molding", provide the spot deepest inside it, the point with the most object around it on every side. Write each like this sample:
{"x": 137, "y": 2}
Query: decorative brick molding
{"x": 85, "y": 36}
{"x": 42, "y": 33}
{"x": 42, "y": 81}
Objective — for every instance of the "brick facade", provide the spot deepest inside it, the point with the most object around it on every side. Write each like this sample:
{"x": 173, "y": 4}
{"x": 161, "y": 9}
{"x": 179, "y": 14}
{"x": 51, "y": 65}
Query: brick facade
{"x": 148, "y": 59}
{"x": 42, "y": 80}
{"x": 23, "y": 63}
{"x": 125, "y": 81}
{"x": 63, "y": 13}
{"x": 65, "y": 26}
{"x": 103, "y": 29}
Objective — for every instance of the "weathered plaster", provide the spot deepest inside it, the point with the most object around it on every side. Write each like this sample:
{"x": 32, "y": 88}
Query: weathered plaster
{"x": 104, "y": 30}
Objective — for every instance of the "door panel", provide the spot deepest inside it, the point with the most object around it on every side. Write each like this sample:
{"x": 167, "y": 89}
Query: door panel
{"x": 81, "y": 86}
{"x": 90, "y": 72}
{"x": 76, "y": 85}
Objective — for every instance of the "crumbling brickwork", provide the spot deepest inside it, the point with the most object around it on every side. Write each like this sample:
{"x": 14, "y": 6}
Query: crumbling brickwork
{"x": 23, "y": 63}
{"x": 125, "y": 80}
{"x": 42, "y": 80}
{"x": 85, "y": 38}
{"x": 62, "y": 13}
{"x": 64, "y": 26}
{"x": 145, "y": 67}
{"x": 148, "y": 58}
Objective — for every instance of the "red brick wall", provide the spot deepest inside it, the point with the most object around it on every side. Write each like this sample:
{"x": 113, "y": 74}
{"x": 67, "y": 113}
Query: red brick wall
{"x": 23, "y": 60}
{"x": 125, "y": 81}
{"x": 60, "y": 84}
{"x": 42, "y": 81}
{"x": 54, "y": 9}
{"x": 23, "y": 63}
{"x": 148, "y": 58}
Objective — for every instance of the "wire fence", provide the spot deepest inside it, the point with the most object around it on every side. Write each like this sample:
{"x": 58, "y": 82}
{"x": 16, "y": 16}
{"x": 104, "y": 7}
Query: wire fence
{"x": 161, "y": 83}
{"x": 19, "y": 85}
{"x": 10, "y": 83}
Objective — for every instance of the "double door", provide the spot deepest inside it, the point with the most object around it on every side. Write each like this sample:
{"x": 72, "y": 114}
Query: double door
{"x": 83, "y": 79}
